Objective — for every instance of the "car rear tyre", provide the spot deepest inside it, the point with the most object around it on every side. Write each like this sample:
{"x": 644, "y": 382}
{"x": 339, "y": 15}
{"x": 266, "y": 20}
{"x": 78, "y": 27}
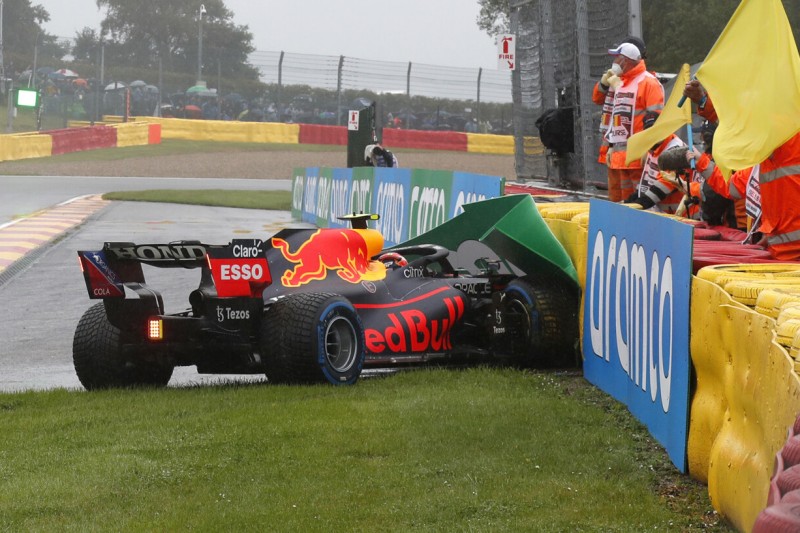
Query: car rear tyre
{"x": 313, "y": 338}
{"x": 99, "y": 361}
{"x": 547, "y": 312}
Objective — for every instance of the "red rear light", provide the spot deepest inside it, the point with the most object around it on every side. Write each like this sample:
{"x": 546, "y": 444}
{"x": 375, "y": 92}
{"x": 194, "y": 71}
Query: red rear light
{"x": 155, "y": 329}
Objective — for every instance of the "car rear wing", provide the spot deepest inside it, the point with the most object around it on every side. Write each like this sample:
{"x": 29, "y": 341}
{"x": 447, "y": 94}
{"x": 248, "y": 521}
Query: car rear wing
{"x": 238, "y": 268}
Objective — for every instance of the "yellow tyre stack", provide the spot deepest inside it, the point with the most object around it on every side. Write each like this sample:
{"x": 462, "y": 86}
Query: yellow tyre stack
{"x": 746, "y": 282}
{"x": 562, "y": 210}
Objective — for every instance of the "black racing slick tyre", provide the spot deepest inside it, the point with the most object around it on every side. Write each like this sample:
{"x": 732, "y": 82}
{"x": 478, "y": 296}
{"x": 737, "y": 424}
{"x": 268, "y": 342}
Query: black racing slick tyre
{"x": 99, "y": 361}
{"x": 546, "y": 312}
{"x": 313, "y": 338}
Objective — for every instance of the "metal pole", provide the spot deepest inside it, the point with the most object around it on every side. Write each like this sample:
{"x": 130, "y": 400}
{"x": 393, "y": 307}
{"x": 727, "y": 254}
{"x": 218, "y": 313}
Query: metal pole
{"x": 160, "y": 85}
{"x": 549, "y": 89}
{"x": 635, "y": 21}
{"x": 35, "y": 58}
{"x": 585, "y": 136}
{"x": 408, "y": 94}
{"x": 280, "y": 86}
{"x": 478, "y": 104}
{"x": 339, "y": 92}
{"x": 200, "y": 44}
{"x": 10, "y": 127}
{"x": 2, "y": 63}
{"x": 98, "y": 86}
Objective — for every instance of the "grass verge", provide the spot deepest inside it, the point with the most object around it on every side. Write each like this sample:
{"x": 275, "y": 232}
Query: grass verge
{"x": 429, "y": 450}
{"x": 274, "y": 200}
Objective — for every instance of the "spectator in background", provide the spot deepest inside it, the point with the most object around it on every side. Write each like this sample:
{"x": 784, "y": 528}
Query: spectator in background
{"x": 636, "y": 92}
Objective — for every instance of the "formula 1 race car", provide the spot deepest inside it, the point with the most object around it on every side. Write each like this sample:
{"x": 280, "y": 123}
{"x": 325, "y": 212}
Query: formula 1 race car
{"x": 318, "y": 305}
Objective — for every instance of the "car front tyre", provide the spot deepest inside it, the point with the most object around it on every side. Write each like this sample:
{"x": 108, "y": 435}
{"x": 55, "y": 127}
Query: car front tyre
{"x": 548, "y": 314}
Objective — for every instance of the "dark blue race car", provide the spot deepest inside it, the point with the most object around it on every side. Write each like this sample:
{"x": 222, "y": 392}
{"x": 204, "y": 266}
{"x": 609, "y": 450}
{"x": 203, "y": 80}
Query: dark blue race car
{"x": 318, "y": 305}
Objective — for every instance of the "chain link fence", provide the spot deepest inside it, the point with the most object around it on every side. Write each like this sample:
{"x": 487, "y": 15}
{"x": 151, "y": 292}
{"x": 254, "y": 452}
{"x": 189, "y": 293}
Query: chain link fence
{"x": 562, "y": 50}
{"x": 409, "y": 95}
{"x": 299, "y": 88}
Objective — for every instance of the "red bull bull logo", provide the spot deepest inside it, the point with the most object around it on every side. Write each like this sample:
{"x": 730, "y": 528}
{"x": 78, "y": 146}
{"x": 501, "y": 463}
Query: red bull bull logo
{"x": 344, "y": 251}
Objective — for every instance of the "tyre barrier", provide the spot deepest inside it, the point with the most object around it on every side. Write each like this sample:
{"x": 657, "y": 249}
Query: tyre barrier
{"x": 785, "y": 333}
{"x": 705, "y": 234}
{"x": 747, "y": 291}
{"x": 733, "y": 436}
{"x": 791, "y": 312}
{"x": 320, "y": 134}
{"x": 794, "y": 351}
{"x": 782, "y": 513}
{"x": 748, "y": 271}
{"x": 562, "y": 210}
{"x": 581, "y": 219}
{"x": 79, "y": 139}
{"x": 533, "y": 190}
{"x": 56, "y": 142}
{"x": 701, "y": 259}
{"x": 771, "y": 302}
{"x": 486, "y": 143}
{"x": 425, "y": 140}
{"x": 724, "y": 246}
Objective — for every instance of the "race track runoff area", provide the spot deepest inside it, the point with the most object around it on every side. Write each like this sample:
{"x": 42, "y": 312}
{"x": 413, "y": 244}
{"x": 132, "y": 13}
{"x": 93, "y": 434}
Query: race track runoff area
{"x": 25, "y": 235}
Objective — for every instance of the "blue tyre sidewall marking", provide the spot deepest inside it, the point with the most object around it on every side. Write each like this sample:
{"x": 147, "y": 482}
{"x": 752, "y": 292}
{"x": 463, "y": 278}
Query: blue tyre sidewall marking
{"x": 534, "y": 312}
{"x": 331, "y": 311}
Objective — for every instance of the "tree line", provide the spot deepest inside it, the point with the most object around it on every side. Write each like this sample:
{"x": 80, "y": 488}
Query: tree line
{"x": 139, "y": 34}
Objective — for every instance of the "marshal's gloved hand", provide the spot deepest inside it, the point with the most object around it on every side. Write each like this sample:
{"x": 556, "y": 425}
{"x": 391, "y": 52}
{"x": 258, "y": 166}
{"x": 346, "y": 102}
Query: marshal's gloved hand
{"x": 606, "y": 76}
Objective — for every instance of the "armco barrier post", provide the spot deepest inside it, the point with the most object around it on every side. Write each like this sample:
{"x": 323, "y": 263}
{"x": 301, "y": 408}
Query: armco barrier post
{"x": 360, "y": 133}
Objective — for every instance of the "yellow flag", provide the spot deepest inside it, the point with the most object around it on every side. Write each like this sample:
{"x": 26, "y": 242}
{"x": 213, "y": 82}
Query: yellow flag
{"x": 672, "y": 118}
{"x": 752, "y": 75}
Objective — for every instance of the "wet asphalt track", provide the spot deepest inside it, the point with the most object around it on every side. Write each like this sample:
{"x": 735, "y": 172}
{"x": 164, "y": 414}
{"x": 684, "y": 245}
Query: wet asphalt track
{"x": 44, "y": 294}
{"x": 22, "y": 195}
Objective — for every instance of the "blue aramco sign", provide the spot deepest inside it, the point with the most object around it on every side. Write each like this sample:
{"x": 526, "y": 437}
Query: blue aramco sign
{"x": 636, "y": 318}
